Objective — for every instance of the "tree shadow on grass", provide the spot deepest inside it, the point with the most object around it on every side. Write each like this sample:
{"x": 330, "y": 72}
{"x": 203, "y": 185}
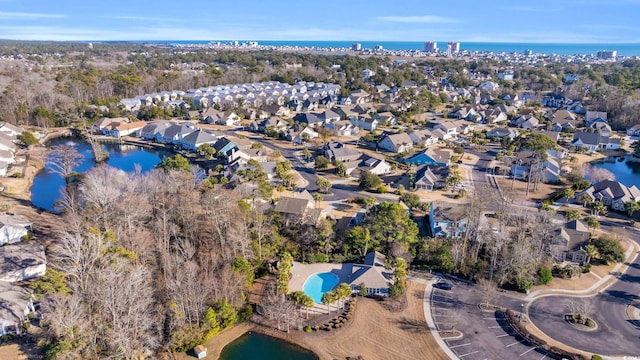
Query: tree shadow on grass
{"x": 412, "y": 325}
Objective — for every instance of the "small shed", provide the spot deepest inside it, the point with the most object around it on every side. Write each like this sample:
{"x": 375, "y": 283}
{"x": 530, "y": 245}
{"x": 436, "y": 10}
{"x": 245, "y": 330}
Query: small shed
{"x": 200, "y": 351}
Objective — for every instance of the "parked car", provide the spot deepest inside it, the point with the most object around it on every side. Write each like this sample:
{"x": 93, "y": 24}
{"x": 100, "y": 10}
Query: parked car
{"x": 443, "y": 286}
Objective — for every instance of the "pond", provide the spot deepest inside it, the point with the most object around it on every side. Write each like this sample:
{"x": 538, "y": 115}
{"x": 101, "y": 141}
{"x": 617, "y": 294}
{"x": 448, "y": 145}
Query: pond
{"x": 257, "y": 346}
{"x": 47, "y": 185}
{"x": 626, "y": 170}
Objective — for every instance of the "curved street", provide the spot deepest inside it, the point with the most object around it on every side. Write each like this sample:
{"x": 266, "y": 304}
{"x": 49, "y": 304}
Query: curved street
{"x": 616, "y": 334}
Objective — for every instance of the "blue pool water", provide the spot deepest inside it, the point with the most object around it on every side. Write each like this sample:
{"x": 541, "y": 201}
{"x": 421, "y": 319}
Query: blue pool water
{"x": 318, "y": 284}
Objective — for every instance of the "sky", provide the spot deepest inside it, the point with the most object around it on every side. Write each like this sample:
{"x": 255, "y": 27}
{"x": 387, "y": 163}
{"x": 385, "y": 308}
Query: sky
{"x": 542, "y": 21}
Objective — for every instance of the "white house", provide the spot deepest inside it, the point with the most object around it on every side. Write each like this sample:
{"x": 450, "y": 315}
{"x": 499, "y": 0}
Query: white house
{"x": 124, "y": 129}
{"x": 397, "y": 143}
{"x": 13, "y": 228}
{"x": 365, "y": 122}
{"x": 20, "y": 262}
{"x": 197, "y": 138}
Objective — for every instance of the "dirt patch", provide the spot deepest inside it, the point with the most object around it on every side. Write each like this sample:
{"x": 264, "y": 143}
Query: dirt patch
{"x": 583, "y": 282}
{"x": 519, "y": 188}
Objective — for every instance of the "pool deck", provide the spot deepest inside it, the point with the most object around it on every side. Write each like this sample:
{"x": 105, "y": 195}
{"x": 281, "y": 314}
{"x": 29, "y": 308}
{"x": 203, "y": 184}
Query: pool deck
{"x": 301, "y": 272}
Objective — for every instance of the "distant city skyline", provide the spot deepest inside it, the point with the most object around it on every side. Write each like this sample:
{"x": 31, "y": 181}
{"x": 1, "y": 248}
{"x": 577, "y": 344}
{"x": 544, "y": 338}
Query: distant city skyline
{"x": 544, "y": 21}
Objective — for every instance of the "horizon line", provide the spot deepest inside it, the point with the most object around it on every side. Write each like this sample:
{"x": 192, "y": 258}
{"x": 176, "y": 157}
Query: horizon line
{"x": 311, "y": 41}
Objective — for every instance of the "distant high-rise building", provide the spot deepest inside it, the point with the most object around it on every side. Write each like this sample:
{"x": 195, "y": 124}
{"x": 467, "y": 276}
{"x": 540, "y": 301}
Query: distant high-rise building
{"x": 528, "y": 52}
{"x": 90, "y": 45}
{"x": 607, "y": 54}
{"x": 431, "y": 47}
{"x": 356, "y": 46}
{"x": 453, "y": 47}
{"x": 378, "y": 47}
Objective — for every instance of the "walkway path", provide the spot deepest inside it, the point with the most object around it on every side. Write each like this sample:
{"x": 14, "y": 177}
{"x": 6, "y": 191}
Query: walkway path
{"x": 427, "y": 315}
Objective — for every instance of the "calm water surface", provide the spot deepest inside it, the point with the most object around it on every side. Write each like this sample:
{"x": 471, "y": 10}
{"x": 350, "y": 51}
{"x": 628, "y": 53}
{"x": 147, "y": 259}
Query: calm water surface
{"x": 47, "y": 186}
{"x": 254, "y": 346}
{"x": 626, "y": 172}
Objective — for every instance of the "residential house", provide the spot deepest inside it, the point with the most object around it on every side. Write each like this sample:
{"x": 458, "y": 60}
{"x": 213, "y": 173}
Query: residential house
{"x": 364, "y": 109}
{"x": 594, "y": 141}
{"x": 430, "y": 179}
{"x": 447, "y": 219}
{"x": 548, "y": 169}
{"x": 154, "y": 130}
{"x": 492, "y": 116}
{"x": 365, "y": 122}
{"x": 611, "y": 193}
{"x": 386, "y": 118}
{"x": 294, "y": 209}
{"x": 527, "y": 122}
{"x": 104, "y": 125}
{"x": 225, "y": 147}
{"x": 600, "y": 127}
{"x": 343, "y": 128}
{"x": 634, "y": 130}
{"x": 397, "y": 143}
{"x": 13, "y": 228}
{"x": 368, "y": 163}
{"x": 278, "y": 110}
{"x": 243, "y": 156}
{"x": 226, "y": 118}
{"x": 194, "y": 115}
{"x": 562, "y": 115}
{"x": 196, "y": 139}
{"x": 569, "y": 242}
{"x": 17, "y": 304}
{"x": 274, "y": 123}
{"x": 450, "y": 129}
{"x": 301, "y": 134}
{"x": 125, "y": 129}
{"x": 489, "y": 86}
{"x": 430, "y": 157}
{"x": 465, "y": 112}
{"x": 359, "y": 97}
{"x": 373, "y": 274}
{"x": 337, "y": 151}
{"x": 423, "y": 138}
{"x": 23, "y": 261}
{"x": 592, "y": 116}
{"x": 501, "y": 133}
{"x": 176, "y": 132}
{"x": 564, "y": 125}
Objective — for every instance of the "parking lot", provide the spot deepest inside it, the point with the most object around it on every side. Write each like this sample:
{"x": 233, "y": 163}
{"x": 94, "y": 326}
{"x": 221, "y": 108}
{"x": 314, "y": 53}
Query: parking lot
{"x": 486, "y": 334}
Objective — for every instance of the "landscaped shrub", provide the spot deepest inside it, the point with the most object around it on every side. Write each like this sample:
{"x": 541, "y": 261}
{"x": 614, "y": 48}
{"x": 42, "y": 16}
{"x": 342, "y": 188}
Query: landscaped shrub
{"x": 596, "y": 357}
{"x": 307, "y": 329}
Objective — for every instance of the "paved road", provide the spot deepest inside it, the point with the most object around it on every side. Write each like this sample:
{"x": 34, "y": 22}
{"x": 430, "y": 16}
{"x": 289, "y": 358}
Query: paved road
{"x": 486, "y": 334}
{"x": 610, "y": 312}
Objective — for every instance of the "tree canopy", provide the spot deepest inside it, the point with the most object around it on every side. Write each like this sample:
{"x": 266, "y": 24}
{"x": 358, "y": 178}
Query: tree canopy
{"x": 389, "y": 224}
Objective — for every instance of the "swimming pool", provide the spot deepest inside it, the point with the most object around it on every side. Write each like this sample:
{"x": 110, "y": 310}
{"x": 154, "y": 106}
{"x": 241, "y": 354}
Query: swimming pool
{"x": 318, "y": 284}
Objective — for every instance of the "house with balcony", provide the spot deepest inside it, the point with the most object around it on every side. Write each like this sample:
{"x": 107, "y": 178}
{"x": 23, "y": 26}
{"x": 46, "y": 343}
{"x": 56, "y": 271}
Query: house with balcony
{"x": 447, "y": 219}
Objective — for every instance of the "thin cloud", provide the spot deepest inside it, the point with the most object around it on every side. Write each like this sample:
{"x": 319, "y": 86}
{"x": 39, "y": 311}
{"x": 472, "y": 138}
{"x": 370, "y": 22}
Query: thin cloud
{"x": 29, "y": 16}
{"x": 518, "y": 8}
{"x": 143, "y": 18}
{"x": 422, "y": 19}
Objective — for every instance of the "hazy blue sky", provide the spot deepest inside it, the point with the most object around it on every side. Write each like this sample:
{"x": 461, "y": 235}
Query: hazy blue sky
{"x": 579, "y": 21}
